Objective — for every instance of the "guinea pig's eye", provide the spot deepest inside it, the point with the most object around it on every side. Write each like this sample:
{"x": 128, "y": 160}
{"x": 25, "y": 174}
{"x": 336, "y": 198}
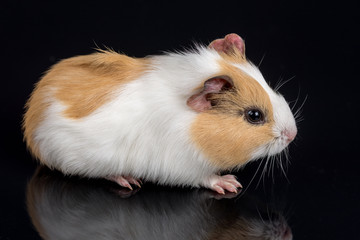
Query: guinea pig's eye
{"x": 254, "y": 116}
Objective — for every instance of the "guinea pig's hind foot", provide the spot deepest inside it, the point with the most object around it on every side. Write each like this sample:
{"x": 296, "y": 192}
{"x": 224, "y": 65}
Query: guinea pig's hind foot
{"x": 125, "y": 181}
{"x": 220, "y": 184}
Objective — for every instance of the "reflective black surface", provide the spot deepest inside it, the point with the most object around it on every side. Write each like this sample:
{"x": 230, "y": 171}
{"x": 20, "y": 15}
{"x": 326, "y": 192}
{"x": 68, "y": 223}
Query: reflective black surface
{"x": 71, "y": 208}
{"x": 316, "y": 42}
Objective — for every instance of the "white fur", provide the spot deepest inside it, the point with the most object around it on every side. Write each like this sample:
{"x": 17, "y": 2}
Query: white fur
{"x": 144, "y": 131}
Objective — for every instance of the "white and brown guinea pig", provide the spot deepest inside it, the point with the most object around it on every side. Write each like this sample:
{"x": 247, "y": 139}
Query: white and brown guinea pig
{"x": 175, "y": 119}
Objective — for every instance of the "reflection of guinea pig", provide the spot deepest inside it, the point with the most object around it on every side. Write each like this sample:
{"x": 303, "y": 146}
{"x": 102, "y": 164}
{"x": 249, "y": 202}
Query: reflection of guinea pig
{"x": 176, "y": 119}
{"x": 72, "y": 208}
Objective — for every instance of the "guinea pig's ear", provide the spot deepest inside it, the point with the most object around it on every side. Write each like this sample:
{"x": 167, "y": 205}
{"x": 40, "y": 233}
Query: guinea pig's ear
{"x": 199, "y": 101}
{"x": 232, "y": 42}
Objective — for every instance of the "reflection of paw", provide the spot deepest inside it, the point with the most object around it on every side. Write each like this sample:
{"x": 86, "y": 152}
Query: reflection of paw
{"x": 125, "y": 181}
{"x": 220, "y": 184}
{"x": 123, "y": 192}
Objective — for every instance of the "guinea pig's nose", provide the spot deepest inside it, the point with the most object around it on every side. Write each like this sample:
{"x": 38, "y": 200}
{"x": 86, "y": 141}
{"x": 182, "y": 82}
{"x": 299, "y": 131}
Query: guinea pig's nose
{"x": 290, "y": 134}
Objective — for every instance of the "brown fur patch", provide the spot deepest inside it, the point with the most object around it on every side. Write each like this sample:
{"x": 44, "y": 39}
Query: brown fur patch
{"x": 223, "y": 133}
{"x": 85, "y": 83}
{"x": 82, "y": 84}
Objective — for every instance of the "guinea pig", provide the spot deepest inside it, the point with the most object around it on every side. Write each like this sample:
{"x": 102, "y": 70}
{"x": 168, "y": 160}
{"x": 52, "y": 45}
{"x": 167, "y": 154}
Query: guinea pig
{"x": 178, "y": 119}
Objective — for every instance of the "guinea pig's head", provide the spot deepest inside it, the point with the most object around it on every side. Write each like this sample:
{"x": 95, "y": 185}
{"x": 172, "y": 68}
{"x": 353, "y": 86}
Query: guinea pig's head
{"x": 240, "y": 118}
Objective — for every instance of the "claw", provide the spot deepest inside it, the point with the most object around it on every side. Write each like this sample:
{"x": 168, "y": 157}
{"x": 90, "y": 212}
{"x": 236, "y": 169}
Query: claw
{"x": 134, "y": 181}
{"x": 218, "y": 189}
{"x": 125, "y": 181}
{"x": 220, "y": 184}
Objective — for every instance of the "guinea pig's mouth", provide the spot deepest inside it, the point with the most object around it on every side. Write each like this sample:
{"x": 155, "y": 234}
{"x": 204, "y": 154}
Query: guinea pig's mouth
{"x": 275, "y": 149}
{"x": 276, "y": 146}
{"x": 279, "y": 150}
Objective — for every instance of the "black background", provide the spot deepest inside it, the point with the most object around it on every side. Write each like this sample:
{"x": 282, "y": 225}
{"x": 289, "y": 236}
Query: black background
{"x": 315, "y": 43}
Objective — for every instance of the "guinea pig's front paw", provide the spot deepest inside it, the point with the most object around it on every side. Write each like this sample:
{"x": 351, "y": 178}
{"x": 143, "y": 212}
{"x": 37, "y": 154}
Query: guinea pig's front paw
{"x": 125, "y": 181}
{"x": 222, "y": 183}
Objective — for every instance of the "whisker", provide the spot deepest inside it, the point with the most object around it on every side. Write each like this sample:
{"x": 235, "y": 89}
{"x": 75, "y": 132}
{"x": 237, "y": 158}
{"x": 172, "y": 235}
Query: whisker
{"x": 282, "y": 168}
{"x": 282, "y": 83}
{"x": 266, "y": 169}
{"x": 278, "y": 82}
{"x": 287, "y": 158}
{"x": 299, "y": 118}
{"x": 261, "y": 60}
{"x": 252, "y": 179}
{"x": 298, "y": 113}
{"x": 263, "y": 171}
{"x": 262, "y": 219}
{"x": 269, "y": 162}
{"x": 273, "y": 157}
{"x": 301, "y": 106}
{"x": 273, "y": 167}
{"x": 297, "y": 99}
{"x": 278, "y": 159}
